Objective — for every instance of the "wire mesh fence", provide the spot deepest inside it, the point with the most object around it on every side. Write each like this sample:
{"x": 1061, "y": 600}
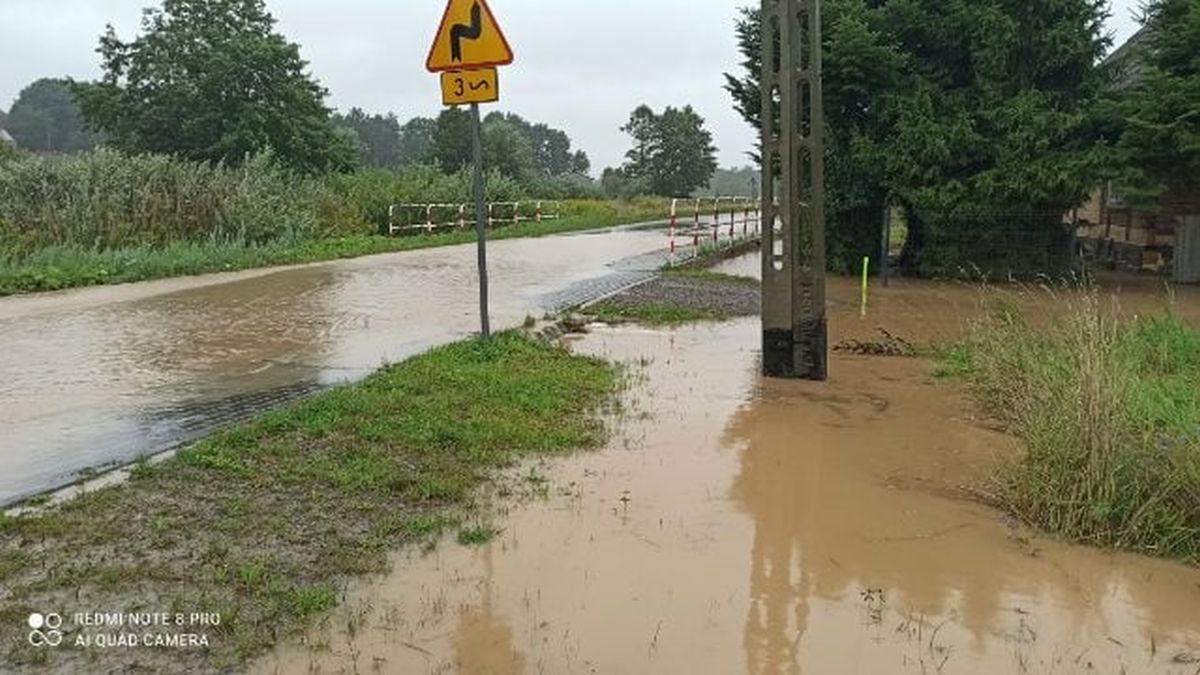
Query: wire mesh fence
{"x": 1017, "y": 243}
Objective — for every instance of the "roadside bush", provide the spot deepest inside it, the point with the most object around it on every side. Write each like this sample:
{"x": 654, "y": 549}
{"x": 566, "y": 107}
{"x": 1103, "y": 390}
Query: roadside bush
{"x": 267, "y": 204}
{"x": 109, "y": 217}
{"x": 975, "y": 244}
{"x": 1109, "y": 410}
{"x": 639, "y": 209}
{"x": 106, "y": 199}
{"x": 566, "y": 187}
{"x": 10, "y": 152}
{"x": 357, "y": 203}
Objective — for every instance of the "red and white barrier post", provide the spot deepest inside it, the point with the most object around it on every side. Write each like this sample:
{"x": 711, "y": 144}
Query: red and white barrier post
{"x": 716, "y": 225}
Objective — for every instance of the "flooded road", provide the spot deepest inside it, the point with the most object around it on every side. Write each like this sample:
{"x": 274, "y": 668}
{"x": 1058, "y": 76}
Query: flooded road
{"x": 107, "y": 374}
{"x": 739, "y": 525}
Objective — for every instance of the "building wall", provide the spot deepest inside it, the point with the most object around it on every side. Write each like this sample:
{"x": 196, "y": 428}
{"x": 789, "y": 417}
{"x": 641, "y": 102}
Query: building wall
{"x": 1130, "y": 237}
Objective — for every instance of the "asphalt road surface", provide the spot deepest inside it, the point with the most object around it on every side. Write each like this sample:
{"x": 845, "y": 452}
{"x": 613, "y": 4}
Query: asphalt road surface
{"x": 101, "y": 376}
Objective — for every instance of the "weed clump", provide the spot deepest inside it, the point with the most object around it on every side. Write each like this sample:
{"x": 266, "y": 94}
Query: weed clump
{"x": 1109, "y": 409}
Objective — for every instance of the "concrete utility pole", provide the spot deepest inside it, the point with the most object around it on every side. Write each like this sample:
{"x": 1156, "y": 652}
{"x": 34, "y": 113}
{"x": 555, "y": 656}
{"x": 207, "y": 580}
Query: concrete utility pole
{"x": 795, "y": 334}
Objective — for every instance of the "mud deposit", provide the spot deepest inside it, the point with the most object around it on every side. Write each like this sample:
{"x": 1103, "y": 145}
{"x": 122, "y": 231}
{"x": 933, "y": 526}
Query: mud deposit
{"x": 737, "y": 525}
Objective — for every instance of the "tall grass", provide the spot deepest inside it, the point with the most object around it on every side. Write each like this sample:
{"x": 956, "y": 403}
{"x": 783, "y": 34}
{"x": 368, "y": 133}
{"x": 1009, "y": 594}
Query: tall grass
{"x": 358, "y": 203}
{"x": 1109, "y": 409}
{"x": 60, "y": 267}
{"x": 105, "y": 217}
{"x": 107, "y": 200}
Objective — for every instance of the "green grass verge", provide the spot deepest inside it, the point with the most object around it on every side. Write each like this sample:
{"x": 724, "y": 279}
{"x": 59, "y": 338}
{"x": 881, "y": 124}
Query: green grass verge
{"x": 263, "y": 522}
{"x": 1109, "y": 410}
{"x": 702, "y": 274}
{"x": 58, "y": 268}
{"x": 654, "y": 314}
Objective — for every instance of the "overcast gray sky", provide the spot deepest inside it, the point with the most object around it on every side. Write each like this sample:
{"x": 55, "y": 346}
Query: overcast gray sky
{"x": 582, "y": 65}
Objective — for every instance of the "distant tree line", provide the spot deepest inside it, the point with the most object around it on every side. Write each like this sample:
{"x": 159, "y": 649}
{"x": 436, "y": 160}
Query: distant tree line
{"x": 214, "y": 81}
{"x": 46, "y": 118}
{"x": 519, "y": 148}
{"x": 736, "y": 182}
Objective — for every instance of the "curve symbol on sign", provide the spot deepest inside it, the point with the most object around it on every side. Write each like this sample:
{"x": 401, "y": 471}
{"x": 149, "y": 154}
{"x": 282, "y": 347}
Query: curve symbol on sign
{"x": 460, "y": 32}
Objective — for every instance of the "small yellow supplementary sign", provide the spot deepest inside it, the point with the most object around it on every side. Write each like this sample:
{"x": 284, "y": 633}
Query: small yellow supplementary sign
{"x": 468, "y": 38}
{"x": 470, "y": 86}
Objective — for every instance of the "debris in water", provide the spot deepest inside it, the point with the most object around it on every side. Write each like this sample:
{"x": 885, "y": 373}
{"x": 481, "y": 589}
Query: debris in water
{"x": 889, "y": 346}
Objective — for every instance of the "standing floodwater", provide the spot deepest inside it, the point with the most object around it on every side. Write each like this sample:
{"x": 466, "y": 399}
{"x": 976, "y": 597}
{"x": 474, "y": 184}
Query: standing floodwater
{"x": 104, "y": 375}
{"x": 739, "y": 525}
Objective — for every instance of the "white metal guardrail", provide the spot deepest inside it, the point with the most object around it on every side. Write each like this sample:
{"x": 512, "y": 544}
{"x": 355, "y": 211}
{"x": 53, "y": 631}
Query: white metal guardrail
{"x": 713, "y": 220}
{"x": 414, "y": 218}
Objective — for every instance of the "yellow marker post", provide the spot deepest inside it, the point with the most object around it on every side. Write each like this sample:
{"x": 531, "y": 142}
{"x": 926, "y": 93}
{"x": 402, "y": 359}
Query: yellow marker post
{"x": 866, "y": 270}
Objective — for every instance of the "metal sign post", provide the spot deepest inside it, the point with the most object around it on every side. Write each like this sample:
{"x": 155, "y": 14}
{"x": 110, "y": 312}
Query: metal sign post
{"x": 466, "y": 50}
{"x": 795, "y": 334}
{"x": 480, "y": 220}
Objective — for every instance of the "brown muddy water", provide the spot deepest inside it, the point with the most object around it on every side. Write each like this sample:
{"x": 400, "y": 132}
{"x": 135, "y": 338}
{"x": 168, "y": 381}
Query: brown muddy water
{"x": 103, "y": 375}
{"x": 739, "y": 525}
{"x": 909, "y": 303}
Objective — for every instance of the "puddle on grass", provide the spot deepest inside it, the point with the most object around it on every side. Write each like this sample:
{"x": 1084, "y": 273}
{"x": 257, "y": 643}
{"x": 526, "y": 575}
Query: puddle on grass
{"x": 736, "y": 525}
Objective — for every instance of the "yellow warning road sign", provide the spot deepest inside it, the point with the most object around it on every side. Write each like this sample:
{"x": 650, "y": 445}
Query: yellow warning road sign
{"x": 469, "y": 37}
{"x": 470, "y": 86}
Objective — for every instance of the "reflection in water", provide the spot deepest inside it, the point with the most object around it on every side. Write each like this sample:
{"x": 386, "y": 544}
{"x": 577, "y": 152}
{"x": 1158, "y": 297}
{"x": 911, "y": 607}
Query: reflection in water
{"x": 770, "y": 527}
{"x": 854, "y": 550}
{"x": 778, "y": 606}
{"x": 772, "y": 487}
{"x": 483, "y": 642}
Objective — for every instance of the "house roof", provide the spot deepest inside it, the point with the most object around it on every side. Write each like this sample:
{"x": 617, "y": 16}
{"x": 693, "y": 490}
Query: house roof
{"x": 5, "y": 138}
{"x": 1127, "y": 60}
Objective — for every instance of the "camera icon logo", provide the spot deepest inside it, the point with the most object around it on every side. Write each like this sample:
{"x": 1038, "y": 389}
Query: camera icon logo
{"x": 45, "y": 630}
